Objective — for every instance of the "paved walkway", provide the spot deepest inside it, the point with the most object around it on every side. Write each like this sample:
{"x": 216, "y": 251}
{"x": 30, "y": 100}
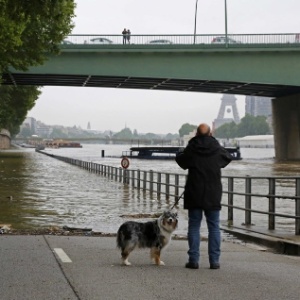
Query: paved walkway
{"x": 79, "y": 267}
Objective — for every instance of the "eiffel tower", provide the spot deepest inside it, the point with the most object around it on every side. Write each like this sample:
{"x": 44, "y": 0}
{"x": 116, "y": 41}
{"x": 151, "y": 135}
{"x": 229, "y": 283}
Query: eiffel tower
{"x": 228, "y": 105}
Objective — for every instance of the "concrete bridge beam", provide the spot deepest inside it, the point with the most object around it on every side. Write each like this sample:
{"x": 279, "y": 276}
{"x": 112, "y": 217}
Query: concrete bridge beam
{"x": 286, "y": 124}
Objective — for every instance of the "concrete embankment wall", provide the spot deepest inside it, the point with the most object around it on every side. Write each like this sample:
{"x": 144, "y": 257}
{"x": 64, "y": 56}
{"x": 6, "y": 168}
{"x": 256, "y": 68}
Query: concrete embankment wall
{"x": 4, "y": 139}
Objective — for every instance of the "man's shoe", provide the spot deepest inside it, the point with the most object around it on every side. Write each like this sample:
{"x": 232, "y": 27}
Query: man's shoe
{"x": 192, "y": 265}
{"x": 215, "y": 266}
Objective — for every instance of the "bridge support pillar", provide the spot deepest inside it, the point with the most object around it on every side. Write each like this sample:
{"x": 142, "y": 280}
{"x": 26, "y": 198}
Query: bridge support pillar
{"x": 286, "y": 124}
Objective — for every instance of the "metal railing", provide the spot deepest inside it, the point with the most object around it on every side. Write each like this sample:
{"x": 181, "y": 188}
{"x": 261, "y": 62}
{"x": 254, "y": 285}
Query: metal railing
{"x": 275, "y": 197}
{"x": 171, "y": 40}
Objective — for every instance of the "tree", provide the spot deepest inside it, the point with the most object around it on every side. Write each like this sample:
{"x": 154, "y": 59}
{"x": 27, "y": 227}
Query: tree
{"x": 31, "y": 29}
{"x": 249, "y": 125}
{"x": 186, "y": 129}
{"x": 227, "y": 131}
{"x": 14, "y": 105}
{"x": 125, "y": 133}
{"x": 171, "y": 136}
{"x": 58, "y": 133}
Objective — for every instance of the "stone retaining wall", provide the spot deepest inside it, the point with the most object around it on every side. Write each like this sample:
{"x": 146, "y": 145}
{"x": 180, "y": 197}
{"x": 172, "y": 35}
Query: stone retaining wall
{"x": 4, "y": 139}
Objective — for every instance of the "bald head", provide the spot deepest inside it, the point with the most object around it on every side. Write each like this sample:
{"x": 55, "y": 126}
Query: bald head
{"x": 203, "y": 130}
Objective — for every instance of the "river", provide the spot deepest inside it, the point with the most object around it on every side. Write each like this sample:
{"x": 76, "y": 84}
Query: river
{"x": 39, "y": 191}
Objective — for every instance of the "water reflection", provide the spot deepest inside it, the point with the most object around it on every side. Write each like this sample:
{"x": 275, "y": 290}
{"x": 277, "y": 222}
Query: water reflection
{"x": 14, "y": 179}
{"x": 47, "y": 192}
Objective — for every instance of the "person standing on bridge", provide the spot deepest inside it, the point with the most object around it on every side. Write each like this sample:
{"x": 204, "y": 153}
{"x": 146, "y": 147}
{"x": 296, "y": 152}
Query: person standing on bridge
{"x": 124, "y": 32}
{"x": 128, "y": 35}
{"x": 203, "y": 157}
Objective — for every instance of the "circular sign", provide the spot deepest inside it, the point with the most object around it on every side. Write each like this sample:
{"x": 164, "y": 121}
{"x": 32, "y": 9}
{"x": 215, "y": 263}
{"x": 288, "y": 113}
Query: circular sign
{"x": 125, "y": 162}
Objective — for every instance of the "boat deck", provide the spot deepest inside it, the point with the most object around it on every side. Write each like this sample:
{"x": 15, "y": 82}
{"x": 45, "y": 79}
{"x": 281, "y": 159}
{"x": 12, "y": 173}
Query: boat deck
{"x": 168, "y": 152}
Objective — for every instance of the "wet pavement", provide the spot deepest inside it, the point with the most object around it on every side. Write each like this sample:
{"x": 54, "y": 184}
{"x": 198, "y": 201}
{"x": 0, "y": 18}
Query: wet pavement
{"x": 52, "y": 267}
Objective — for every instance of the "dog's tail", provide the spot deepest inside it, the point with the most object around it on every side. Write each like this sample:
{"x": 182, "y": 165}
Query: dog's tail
{"x": 120, "y": 239}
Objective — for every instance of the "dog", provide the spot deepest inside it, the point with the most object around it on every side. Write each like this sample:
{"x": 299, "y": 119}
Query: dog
{"x": 153, "y": 234}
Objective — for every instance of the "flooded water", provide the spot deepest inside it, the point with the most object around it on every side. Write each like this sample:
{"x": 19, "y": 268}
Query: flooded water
{"x": 39, "y": 191}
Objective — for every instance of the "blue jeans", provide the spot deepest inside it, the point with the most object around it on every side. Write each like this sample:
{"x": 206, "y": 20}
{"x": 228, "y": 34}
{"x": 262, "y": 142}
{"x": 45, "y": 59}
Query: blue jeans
{"x": 214, "y": 235}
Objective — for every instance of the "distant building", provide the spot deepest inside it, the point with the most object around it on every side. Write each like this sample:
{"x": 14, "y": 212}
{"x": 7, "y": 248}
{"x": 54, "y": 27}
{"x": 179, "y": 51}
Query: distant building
{"x": 89, "y": 126}
{"x": 258, "y": 106}
{"x": 29, "y": 123}
{"x": 256, "y": 141}
{"x": 43, "y": 130}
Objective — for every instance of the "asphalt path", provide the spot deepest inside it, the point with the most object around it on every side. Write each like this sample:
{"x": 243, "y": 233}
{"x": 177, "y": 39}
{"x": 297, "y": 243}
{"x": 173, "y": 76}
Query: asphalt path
{"x": 78, "y": 267}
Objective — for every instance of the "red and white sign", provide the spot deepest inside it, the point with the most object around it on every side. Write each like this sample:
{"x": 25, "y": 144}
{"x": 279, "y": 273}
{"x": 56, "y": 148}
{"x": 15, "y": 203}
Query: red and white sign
{"x": 125, "y": 162}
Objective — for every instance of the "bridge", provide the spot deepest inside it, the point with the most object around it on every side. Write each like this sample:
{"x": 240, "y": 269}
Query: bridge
{"x": 260, "y": 65}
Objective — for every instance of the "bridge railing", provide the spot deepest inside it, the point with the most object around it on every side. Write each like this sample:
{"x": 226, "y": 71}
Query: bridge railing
{"x": 212, "y": 40}
{"x": 272, "y": 202}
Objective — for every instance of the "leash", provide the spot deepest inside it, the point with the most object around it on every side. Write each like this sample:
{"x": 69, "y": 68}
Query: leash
{"x": 176, "y": 202}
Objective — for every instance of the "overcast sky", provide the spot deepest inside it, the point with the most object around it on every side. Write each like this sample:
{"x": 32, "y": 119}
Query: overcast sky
{"x": 157, "y": 111}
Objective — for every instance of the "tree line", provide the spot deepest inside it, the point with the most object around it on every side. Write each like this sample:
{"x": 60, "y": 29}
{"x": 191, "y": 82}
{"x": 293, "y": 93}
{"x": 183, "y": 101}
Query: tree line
{"x": 249, "y": 125}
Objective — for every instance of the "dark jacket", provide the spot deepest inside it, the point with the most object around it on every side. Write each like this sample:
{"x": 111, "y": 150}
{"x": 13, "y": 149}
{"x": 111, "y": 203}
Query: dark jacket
{"x": 204, "y": 158}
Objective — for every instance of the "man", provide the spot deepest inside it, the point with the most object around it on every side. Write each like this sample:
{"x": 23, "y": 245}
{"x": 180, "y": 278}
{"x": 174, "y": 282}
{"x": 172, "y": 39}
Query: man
{"x": 124, "y": 32}
{"x": 204, "y": 158}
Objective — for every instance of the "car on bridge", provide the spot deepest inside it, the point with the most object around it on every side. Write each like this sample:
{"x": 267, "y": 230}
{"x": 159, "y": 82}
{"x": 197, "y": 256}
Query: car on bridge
{"x": 160, "y": 42}
{"x": 100, "y": 40}
{"x": 222, "y": 40}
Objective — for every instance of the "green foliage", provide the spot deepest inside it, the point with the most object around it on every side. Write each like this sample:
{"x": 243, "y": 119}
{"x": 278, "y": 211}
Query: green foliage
{"x": 58, "y": 133}
{"x": 186, "y": 129}
{"x": 253, "y": 126}
{"x": 249, "y": 125}
{"x": 125, "y": 133}
{"x": 31, "y": 29}
{"x": 228, "y": 131}
{"x": 150, "y": 136}
{"x": 14, "y": 105}
{"x": 171, "y": 136}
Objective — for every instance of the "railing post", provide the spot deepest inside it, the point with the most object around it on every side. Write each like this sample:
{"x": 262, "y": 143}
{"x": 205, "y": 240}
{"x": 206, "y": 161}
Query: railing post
{"x": 124, "y": 176}
{"x": 167, "y": 186}
{"x": 111, "y": 172}
{"x": 248, "y": 201}
{"x": 145, "y": 181}
{"x": 120, "y": 174}
{"x": 230, "y": 200}
{"x": 158, "y": 184}
{"x": 116, "y": 174}
{"x": 151, "y": 181}
{"x": 132, "y": 178}
{"x": 272, "y": 189}
{"x": 138, "y": 183}
{"x": 176, "y": 187}
{"x": 297, "y": 227}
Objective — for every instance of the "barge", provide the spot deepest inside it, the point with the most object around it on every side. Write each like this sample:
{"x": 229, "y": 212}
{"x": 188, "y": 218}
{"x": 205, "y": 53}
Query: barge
{"x": 61, "y": 144}
{"x": 167, "y": 152}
